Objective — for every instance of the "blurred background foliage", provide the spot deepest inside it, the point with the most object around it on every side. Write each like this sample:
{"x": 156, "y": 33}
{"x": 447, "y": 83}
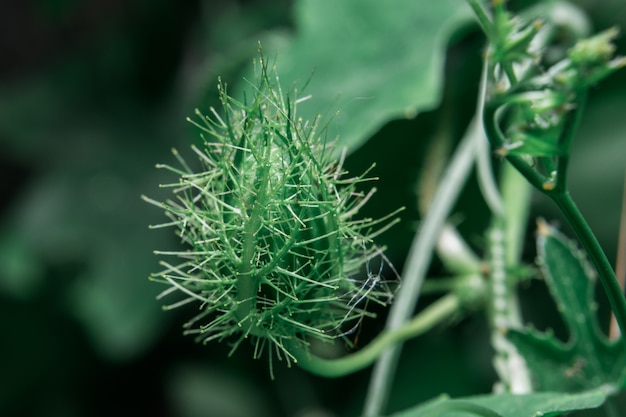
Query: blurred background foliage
{"x": 93, "y": 94}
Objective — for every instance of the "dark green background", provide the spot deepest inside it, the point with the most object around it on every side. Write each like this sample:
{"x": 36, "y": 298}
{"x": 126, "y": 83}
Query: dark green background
{"x": 92, "y": 95}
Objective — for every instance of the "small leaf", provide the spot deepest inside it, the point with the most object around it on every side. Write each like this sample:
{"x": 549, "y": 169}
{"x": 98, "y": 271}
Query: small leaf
{"x": 510, "y": 405}
{"x": 588, "y": 359}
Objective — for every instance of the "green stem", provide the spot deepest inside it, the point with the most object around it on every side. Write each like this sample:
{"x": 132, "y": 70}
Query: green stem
{"x": 509, "y": 71}
{"x": 505, "y": 236}
{"x": 481, "y": 14}
{"x": 572, "y": 122}
{"x": 516, "y": 194}
{"x": 435, "y": 313}
{"x": 497, "y": 139}
{"x": 597, "y": 256}
{"x": 486, "y": 180}
{"x": 418, "y": 260}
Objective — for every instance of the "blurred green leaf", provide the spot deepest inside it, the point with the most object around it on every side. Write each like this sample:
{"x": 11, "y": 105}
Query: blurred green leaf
{"x": 22, "y": 273}
{"x": 373, "y": 61}
{"x": 78, "y": 227}
{"x": 509, "y": 405}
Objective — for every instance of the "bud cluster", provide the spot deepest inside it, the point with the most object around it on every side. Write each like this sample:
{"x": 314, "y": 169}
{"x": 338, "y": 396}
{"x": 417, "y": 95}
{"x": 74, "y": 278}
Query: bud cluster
{"x": 541, "y": 98}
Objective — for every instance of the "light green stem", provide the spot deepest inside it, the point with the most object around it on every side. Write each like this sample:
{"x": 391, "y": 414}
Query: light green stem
{"x": 435, "y": 313}
{"x": 481, "y": 14}
{"x": 418, "y": 261}
{"x": 516, "y": 194}
{"x": 505, "y": 236}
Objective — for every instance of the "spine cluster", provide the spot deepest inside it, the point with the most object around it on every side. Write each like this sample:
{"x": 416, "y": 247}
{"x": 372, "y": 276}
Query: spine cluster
{"x": 274, "y": 252}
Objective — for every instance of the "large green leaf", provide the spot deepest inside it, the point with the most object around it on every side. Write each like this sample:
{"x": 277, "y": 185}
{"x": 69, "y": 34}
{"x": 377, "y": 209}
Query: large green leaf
{"x": 588, "y": 359}
{"x": 509, "y": 405}
{"x": 373, "y": 61}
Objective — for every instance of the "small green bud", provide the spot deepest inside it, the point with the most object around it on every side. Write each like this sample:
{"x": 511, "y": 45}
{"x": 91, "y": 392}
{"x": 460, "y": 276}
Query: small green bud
{"x": 596, "y": 50}
{"x": 513, "y": 39}
{"x": 593, "y": 59}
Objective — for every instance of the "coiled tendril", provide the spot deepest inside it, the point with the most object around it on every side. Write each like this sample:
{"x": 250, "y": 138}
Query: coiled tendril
{"x": 275, "y": 253}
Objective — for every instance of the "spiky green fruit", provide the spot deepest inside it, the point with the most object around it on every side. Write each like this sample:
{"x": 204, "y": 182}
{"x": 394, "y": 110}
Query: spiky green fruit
{"x": 274, "y": 250}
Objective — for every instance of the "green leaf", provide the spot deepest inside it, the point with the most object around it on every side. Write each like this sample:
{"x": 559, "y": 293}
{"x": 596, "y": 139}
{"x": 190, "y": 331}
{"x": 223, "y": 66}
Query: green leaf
{"x": 509, "y": 405}
{"x": 373, "y": 61}
{"x": 588, "y": 359}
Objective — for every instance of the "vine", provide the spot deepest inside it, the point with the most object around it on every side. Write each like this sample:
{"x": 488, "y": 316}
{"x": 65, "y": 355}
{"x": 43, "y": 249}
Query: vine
{"x": 279, "y": 256}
